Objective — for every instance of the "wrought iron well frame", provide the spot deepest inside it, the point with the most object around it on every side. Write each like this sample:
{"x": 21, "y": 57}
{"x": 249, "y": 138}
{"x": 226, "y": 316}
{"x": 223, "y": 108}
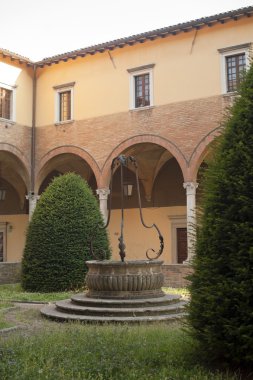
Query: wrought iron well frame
{"x": 123, "y": 161}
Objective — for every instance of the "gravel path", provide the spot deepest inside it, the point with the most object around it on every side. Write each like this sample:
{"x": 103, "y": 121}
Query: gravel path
{"x": 26, "y": 319}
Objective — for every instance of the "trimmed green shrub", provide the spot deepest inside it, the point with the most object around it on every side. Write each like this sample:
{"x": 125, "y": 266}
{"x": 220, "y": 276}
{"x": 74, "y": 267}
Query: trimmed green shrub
{"x": 58, "y": 237}
{"x": 221, "y": 307}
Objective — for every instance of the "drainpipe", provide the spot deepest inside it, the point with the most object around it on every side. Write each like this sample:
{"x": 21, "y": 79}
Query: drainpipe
{"x": 32, "y": 197}
{"x": 33, "y": 129}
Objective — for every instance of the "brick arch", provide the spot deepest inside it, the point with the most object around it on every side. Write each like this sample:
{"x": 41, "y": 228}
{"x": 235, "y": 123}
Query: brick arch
{"x": 72, "y": 150}
{"x": 142, "y": 139}
{"x": 200, "y": 153}
{"x": 9, "y": 148}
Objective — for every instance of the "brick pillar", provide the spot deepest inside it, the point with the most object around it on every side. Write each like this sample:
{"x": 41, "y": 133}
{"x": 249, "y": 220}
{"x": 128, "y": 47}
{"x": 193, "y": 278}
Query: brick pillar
{"x": 191, "y": 217}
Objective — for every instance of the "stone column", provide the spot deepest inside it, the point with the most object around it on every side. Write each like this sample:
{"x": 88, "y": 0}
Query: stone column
{"x": 191, "y": 217}
{"x": 33, "y": 198}
{"x": 103, "y": 196}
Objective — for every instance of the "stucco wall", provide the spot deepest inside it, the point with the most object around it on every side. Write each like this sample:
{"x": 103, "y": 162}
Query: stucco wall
{"x": 187, "y": 66}
{"x": 15, "y": 235}
{"x": 137, "y": 238}
{"x": 20, "y": 77}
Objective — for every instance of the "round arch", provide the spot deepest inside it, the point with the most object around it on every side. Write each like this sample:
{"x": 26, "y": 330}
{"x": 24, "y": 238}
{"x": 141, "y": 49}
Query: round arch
{"x": 142, "y": 139}
{"x": 200, "y": 152}
{"x": 67, "y": 150}
{"x": 21, "y": 158}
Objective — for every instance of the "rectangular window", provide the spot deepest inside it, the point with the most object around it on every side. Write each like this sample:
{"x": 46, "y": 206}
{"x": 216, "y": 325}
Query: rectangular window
{"x": 65, "y": 105}
{"x": 142, "y": 90}
{"x": 235, "y": 67}
{"x": 64, "y": 99}
{"x": 235, "y": 60}
{"x": 141, "y": 86}
{"x": 5, "y": 103}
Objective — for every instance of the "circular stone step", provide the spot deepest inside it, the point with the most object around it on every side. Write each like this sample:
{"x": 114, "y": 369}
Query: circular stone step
{"x": 82, "y": 299}
{"x": 84, "y": 309}
{"x": 68, "y": 307}
{"x": 51, "y": 312}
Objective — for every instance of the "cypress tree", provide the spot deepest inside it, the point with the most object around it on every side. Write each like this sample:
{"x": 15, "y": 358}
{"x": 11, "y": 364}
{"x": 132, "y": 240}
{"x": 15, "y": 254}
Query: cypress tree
{"x": 58, "y": 237}
{"x": 221, "y": 307}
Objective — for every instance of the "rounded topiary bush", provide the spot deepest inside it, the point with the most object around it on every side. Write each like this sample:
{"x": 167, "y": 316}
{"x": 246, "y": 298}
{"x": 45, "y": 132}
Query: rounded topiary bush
{"x": 58, "y": 237}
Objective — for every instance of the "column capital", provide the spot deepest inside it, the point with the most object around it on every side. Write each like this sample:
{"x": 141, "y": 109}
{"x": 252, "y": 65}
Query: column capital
{"x": 31, "y": 196}
{"x": 103, "y": 193}
{"x": 190, "y": 187}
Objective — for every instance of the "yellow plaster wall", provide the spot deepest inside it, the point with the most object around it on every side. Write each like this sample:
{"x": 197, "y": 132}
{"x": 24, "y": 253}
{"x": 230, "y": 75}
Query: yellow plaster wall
{"x": 21, "y": 77}
{"x": 15, "y": 236}
{"x": 137, "y": 238}
{"x": 24, "y": 97}
{"x": 187, "y": 66}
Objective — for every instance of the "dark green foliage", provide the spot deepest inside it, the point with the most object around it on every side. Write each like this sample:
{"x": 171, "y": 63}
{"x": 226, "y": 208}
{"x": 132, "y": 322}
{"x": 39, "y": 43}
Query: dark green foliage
{"x": 58, "y": 236}
{"x": 221, "y": 308}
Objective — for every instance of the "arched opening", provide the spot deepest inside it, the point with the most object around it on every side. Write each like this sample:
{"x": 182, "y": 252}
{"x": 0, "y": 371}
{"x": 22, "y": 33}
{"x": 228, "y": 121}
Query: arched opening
{"x": 201, "y": 171}
{"x": 168, "y": 188}
{"x": 13, "y": 206}
{"x": 200, "y": 180}
{"x": 65, "y": 163}
{"x": 163, "y": 201}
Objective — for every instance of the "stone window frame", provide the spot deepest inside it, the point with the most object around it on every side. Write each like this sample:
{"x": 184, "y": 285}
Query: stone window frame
{"x": 135, "y": 72}
{"x": 59, "y": 89}
{"x": 229, "y": 52}
{"x": 12, "y": 118}
{"x": 176, "y": 221}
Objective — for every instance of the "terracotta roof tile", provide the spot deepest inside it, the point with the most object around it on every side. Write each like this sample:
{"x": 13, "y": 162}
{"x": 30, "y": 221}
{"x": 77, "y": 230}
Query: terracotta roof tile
{"x": 15, "y": 56}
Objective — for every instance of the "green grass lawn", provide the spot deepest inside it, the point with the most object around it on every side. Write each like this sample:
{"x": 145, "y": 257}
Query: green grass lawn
{"x": 3, "y": 323}
{"x": 59, "y": 351}
{"x": 3, "y": 306}
{"x": 88, "y": 352}
{"x": 14, "y": 292}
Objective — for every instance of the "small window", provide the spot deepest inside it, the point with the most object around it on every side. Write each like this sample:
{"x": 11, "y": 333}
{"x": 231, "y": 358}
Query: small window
{"x": 141, "y": 87}
{"x": 5, "y": 103}
{"x": 234, "y": 62}
{"x": 142, "y": 90}
{"x": 235, "y": 68}
{"x": 64, "y": 103}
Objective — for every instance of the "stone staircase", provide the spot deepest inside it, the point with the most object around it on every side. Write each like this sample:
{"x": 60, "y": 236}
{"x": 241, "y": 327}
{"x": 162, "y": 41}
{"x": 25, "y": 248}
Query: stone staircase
{"x": 81, "y": 308}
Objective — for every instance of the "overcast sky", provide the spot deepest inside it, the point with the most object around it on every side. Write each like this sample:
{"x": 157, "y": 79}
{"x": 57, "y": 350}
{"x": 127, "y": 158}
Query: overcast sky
{"x": 42, "y": 28}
